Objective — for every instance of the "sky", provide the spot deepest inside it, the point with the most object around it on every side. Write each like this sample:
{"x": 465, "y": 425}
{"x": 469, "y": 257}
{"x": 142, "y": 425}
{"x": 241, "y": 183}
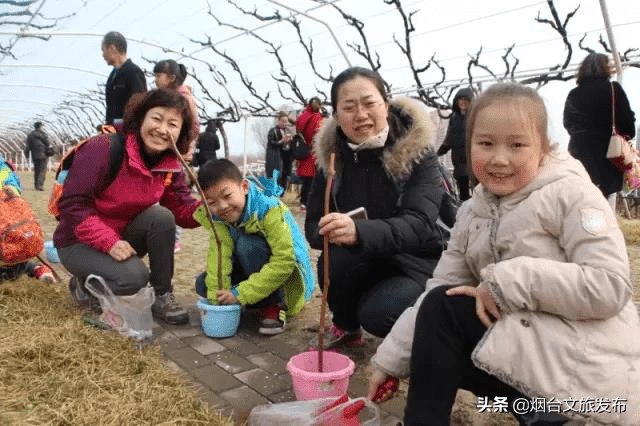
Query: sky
{"x": 45, "y": 73}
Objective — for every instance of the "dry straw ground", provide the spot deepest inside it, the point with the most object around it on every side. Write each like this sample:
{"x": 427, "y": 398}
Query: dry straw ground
{"x": 54, "y": 370}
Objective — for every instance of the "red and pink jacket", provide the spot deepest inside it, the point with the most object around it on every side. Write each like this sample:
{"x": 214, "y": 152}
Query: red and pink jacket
{"x": 97, "y": 218}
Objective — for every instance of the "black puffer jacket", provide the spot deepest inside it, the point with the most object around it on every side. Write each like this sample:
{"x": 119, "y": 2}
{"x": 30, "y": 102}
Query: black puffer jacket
{"x": 587, "y": 118}
{"x": 400, "y": 185}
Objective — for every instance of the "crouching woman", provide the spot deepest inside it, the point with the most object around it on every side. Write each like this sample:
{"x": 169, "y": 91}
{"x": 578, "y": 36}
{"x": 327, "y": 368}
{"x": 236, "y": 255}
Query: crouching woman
{"x": 106, "y": 231}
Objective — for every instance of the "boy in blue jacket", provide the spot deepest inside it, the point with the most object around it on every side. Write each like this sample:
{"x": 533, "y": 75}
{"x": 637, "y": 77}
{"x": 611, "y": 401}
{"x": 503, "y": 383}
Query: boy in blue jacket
{"x": 265, "y": 258}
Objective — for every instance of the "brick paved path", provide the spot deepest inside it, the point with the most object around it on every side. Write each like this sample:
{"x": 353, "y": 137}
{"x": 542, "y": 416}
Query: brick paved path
{"x": 238, "y": 373}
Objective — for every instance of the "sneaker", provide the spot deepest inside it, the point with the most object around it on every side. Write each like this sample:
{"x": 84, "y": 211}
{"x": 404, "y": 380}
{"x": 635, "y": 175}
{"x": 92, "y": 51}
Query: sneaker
{"x": 82, "y": 297}
{"x": 167, "y": 308}
{"x": 337, "y": 336}
{"x": 177, "y": 247}
{"x": 272, "y": 320}
{"x": 44, "y": 273}
{"x": 303, "y": 208}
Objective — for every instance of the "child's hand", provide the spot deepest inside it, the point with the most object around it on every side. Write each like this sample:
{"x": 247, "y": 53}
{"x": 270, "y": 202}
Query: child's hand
{"x": 382, "y": 386}
{"x": 225, "y": 297}
{"x": 484, "y": 303}
{"x": 340, "y": 229}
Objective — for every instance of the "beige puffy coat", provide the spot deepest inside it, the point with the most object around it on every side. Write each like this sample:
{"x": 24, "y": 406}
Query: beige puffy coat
{"x": 556, "y": 264}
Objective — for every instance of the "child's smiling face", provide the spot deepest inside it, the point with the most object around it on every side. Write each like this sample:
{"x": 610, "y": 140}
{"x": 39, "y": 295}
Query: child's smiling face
{"x": 506, "y": 148}
{"x": 226, "y": 199}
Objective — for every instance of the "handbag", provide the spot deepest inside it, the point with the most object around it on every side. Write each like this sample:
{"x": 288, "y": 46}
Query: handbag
{"x": 619, "y": 152}
{"x": 299, "y": 148}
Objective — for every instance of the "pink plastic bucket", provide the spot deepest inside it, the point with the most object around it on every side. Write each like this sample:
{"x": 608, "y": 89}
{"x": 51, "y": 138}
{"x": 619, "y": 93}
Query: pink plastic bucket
{"x": 308, "y": 383}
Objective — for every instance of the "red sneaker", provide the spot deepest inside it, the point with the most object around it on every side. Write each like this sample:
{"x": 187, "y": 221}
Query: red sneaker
{"x": 272, "y": 320}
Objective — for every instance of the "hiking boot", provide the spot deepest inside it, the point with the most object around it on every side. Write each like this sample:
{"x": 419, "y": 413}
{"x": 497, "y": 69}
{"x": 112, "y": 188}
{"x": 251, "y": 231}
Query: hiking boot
{"x": 272, "y": 320}
{"x": 82, "y": 297}
{"x": 44, "y": 273}
{"x": 337, "y": 336}
{"x": 167, "y": 309}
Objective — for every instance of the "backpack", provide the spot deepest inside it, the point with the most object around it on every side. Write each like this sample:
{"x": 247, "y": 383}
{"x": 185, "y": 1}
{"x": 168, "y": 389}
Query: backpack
{"x": 116, "y": 153}
{"x": 20, "y": 232}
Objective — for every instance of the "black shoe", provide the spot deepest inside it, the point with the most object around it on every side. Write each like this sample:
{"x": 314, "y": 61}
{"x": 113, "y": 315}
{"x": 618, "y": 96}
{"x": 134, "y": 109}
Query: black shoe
{"x": 82, "y": 297}
{"x": 167, "y": 308}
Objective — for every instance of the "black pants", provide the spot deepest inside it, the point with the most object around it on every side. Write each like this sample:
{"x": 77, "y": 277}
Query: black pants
{"x": 463, "y": 187}
{"x": 154, "y": 232}
{"x": 446, "y": 332}
{"x": 306, "y": 188}
{"x": 286, "y": 172}
{"x": 39, "y": 173}
{"x": 367, "y": 292}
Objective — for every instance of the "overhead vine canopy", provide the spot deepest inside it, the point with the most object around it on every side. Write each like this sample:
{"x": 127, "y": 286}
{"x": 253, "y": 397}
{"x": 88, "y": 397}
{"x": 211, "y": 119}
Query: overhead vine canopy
{"x": 251, "y": 58}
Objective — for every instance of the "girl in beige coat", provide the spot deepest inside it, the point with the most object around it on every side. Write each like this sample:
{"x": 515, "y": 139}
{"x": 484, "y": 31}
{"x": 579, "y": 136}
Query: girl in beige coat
{"x": 531, "y": 302}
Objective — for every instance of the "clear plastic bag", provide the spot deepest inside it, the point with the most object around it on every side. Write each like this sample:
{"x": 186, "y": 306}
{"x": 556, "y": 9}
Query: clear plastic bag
{"x": 317, "y": 412}
{"x": 131, "y": 315}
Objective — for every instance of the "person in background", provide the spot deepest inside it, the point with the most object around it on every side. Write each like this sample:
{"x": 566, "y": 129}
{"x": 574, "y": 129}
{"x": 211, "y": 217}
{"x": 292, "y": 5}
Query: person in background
{"x": 532, "y": 298}
{"x": 40, "y": 150}
{"x": 9, "y": 180}
{"x": 385, "y": 163}
{"x": 171, "y": 75}
{"x": 265, "y": 259}
{"x": 587, "y": 118}
{"x": 277, "y": 151}
{"x": 308, "y": 123}
{"x": 207, "y": 144}
{"x": 125, "y": 79}
{"x": 107, "y": 231}
{"x": 454, "y": 141}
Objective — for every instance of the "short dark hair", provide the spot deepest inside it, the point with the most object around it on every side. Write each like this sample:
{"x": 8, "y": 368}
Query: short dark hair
{"x": 215, "y": 170}
{"x": 350, "y": 74}
{"x": 593, "y": 65}
{"x": 171, "y": 67}
{"x": 114, "y": 38}
{"x": 37, "y": 124}
{"x": 140, "y": 103}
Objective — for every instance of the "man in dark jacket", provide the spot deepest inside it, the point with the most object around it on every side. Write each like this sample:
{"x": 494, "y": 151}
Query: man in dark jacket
{"x": 125, "y": 79}
{"x": 38, "y": 146}
{"x": 208, "y": 144}
{"x": 455, "y": 141}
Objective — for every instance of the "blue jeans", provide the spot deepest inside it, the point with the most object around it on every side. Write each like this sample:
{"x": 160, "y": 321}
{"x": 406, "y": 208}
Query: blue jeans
{"x": 251, "y": 253}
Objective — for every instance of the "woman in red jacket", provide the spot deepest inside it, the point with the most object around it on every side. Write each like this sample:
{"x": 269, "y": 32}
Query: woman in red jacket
{"x": 308, "y": 123}
{"x": 105, "y": 231}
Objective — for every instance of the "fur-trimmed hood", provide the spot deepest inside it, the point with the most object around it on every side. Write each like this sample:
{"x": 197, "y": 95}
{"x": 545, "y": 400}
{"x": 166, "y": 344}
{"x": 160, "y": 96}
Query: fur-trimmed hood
{"x": 410, "y": 134}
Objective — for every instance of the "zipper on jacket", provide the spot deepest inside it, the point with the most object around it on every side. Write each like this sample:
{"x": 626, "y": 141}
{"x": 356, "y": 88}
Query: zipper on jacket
{"x": 355, "y": 157}
{"x": 494, "y": 231}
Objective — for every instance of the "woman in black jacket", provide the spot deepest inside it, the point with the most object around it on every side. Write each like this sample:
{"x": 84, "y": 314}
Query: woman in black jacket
{"x": 386, "y": 164}
{"x": 454, "y": 141}
{"x": 587, "y": 118}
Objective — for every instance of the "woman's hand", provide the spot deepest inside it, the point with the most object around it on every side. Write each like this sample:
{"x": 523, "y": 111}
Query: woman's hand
{"x": 340, "y": 229}
{"x": 121, "y": 251}
{"x": 225, "y": 297}
{"x": 382, "y": 386}
{"x": 485, "y": 306}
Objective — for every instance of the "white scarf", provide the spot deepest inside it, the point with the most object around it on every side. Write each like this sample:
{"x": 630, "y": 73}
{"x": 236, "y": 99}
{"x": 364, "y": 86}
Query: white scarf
{"x": 375, "y": 141}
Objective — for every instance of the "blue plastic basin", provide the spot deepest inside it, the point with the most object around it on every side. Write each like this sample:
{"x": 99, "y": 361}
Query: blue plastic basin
{"x": 219, "y": 320}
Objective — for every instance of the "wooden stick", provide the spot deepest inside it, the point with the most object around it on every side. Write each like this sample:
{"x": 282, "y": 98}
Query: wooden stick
{"x": 194, "y": 180}
{"x": 325, "y": 252}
